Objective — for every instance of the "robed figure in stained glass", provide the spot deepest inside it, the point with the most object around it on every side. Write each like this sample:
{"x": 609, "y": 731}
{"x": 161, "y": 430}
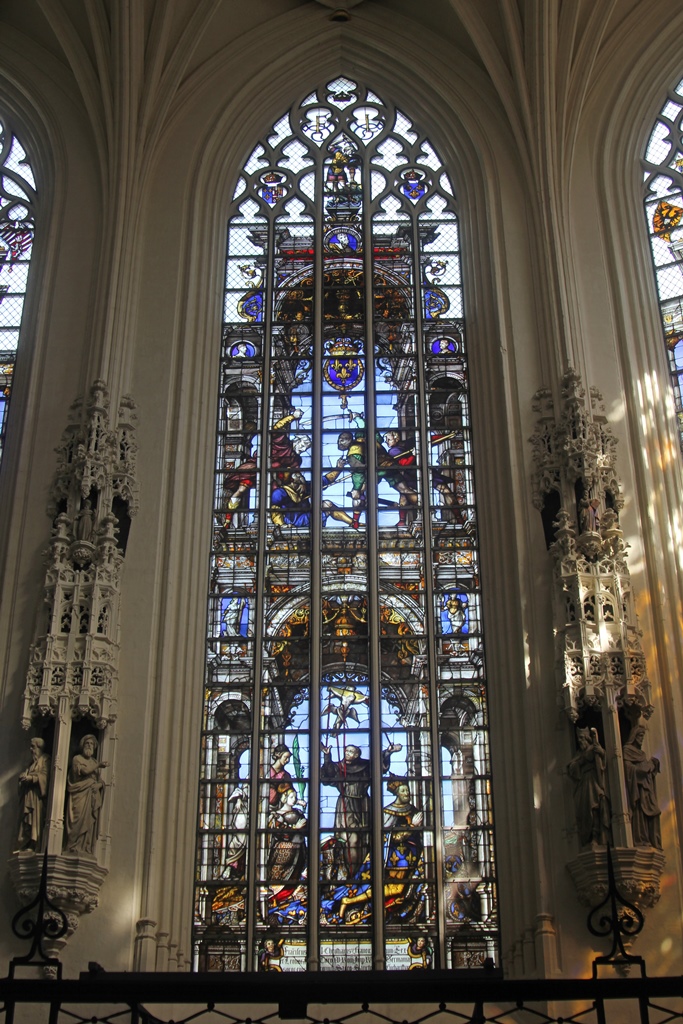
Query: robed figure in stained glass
{"x": 403, "y": 857}
{"x": 287, "y": 854}
{"x": 351, "y": 776}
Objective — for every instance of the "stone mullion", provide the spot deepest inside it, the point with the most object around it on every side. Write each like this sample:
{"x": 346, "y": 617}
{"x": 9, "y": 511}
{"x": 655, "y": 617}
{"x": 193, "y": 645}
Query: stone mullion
{"x": 56, "y": 814}
{"x": 429, "y": 569}
{"x": 609, "y": 703}
{"x": 107, "y": 753}
{"x": 621, "y": 819}
{"x": 373, "y": 599}
{"x": 315, "y": 617}
{"x": 86, "y": 668}
{"x": 260, "y": 613}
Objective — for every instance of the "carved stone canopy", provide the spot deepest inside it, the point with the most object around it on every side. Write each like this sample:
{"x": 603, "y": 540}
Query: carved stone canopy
{"x": 600, "y": 668}
{"x": 72, "y": 681}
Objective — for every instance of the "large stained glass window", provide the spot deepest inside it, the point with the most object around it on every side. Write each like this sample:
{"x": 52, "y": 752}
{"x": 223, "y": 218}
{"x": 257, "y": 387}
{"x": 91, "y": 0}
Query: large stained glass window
{"x": 345, "y": 800}
{"x": 17, "y": 197}
{"x": 664, "y": 211}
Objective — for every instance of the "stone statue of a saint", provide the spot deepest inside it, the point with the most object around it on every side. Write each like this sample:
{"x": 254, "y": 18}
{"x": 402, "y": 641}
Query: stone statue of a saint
{"x": 84, "y": 522}
{"x": 33, "y": 793}
{"x": 84, "y": 798}
{"x": 587, "y": 769}
{"x": 590, "y": 518}
{"x": 641, "y": 774}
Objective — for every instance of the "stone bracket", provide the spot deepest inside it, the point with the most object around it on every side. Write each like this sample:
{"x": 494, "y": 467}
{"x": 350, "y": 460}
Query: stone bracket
{"x": 637, "y": 873}
{"x": 73, "y": 885}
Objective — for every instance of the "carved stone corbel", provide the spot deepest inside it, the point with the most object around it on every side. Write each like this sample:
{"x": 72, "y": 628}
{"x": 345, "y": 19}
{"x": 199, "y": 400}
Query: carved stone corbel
{"x": 73, "y": 885}
{"x": 637, "y": 872}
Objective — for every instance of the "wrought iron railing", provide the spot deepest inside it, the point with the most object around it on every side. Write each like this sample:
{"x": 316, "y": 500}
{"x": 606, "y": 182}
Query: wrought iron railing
{"x": 343, "y": 998}
{"x": 478, "y": 996}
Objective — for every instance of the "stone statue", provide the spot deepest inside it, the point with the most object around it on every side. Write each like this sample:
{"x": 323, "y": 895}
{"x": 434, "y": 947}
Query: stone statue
{"x": 85, "y": 790}
{"x": 33, "y": 792}
{"x": 641, "y": 773}
{"x": 84, "y": 522}
{"x": 588, "y": 771}
{"x": 590, "y": 518}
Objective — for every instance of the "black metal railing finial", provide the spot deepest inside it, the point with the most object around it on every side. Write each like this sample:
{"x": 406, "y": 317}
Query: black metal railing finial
{"x": 621, "y": 920}
{"x": 50, "y": 923}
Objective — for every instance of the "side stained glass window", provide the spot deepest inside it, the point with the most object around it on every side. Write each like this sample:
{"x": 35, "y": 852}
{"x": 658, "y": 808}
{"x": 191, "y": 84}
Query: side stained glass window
{"x": 17, "y": 200}
{"x": 345, "y": 801}
{"x": 663, "y": 190}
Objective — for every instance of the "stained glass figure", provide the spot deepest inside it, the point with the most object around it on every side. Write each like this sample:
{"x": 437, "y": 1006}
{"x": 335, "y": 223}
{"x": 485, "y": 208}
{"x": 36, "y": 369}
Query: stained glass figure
{"x": 17, "y": 229}
{"x": 663, "y": 191}
{"x": 345, "y": 806}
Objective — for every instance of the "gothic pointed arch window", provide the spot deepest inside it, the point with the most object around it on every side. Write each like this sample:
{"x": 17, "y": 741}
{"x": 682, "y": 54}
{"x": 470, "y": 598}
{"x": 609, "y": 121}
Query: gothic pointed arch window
{"x": 17, "y": 202}
{"x": 345, "y": 815}
{"x": 663, "y": 189}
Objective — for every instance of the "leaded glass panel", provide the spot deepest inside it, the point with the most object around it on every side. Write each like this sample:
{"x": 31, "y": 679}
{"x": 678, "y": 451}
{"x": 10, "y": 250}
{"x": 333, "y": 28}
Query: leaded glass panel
{"x": 345, "y": 807}
{"x": 17, "y": 199}
{"x": 664, "y": 211}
